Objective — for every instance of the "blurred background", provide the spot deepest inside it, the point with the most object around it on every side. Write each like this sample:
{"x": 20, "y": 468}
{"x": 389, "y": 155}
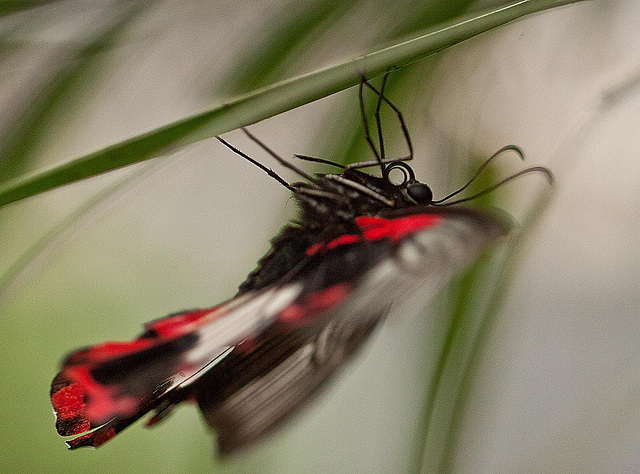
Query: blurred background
{"x": 554, "y": 385}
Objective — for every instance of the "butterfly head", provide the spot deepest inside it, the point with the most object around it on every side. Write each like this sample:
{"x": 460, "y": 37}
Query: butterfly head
{"x": 419, "y": 192}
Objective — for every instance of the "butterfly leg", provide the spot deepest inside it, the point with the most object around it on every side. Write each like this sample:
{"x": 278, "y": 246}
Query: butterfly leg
{"x": 403, "y": 126}
{"x": 377, "y": 116}
{"x": 365, "y": 124}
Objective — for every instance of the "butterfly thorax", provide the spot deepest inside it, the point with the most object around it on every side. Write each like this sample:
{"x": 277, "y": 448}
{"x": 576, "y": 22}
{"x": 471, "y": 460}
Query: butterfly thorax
{"x": 329, "y": 207}
{"x": 340, "y": 198}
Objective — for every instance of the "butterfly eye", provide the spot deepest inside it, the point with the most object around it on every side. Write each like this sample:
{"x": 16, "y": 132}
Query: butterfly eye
{"x": 419, "y": 192}
{"x": 405, "y": 169}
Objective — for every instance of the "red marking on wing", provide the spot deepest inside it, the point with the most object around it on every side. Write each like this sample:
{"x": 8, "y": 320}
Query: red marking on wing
{"x": 108, "y": 350}
{"x": 68, "y": 402}
{"x": 110, "y": 385}
{"x": 314, "y": 248}
{"x": 344, "y": 240}
{"x": 82, "y": 401}
{"x": 378, "y": 228}
{"x": 81, "y": 404}
{"x": 181, "y": 323}
{"x": 314, "y": 303}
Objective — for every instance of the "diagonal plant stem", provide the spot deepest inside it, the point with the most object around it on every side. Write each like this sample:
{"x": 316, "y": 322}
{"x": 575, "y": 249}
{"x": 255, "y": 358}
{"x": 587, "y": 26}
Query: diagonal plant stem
{"x": 51, "y": 242}
{"x": 501, "y": 278}
{"x": 472, "y": 318}
{"x": 444, "y": 436}
{"x": 269, "y": 101}
{"x": 58, "y": 94}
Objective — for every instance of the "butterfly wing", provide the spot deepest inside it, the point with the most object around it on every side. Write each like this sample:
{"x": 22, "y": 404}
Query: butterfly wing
{"x": 253, "y": 361}
{"x": 357, "y": 279}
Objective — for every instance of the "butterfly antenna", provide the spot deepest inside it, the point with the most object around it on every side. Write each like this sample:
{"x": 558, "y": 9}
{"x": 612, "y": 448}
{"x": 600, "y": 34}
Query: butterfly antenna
{"x": 515, "y": 148}
{"x": 269, "y": 171}
{"x": 278, "y": 158}
{"x": 318, "y": 160}
{"x": 533, "y": 169}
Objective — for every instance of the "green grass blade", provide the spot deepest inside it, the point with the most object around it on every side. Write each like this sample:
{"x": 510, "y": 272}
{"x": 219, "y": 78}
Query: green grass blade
{"x": 269, "y": 101}
{"x": 508, "y": 264}
{"x": 37, "y": 255}
{"x": 498, "y": 286}
{"x": 475, "y": 300}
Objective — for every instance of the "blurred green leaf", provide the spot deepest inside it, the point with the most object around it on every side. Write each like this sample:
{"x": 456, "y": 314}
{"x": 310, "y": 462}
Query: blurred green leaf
{"x": 481, "y": 311}
{"x": 267, "y": 61}
{"x": 58, "y": 94}
{"x": 474, "y": 301}
{"x": 11, "y": 6}
{"x": 51, "y": 241}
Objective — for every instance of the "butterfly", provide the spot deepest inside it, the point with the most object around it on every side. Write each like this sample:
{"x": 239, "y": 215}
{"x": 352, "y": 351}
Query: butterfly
{"x": 362, "y": 245}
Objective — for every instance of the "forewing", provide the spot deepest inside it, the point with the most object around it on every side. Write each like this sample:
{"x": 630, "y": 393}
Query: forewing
{"x": 111, "y": 385}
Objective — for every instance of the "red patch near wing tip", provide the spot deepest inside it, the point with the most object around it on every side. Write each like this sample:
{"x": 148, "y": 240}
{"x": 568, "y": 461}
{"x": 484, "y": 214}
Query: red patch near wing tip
{"x": 81, "y": 403}
{"x": 68, "y": 402}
